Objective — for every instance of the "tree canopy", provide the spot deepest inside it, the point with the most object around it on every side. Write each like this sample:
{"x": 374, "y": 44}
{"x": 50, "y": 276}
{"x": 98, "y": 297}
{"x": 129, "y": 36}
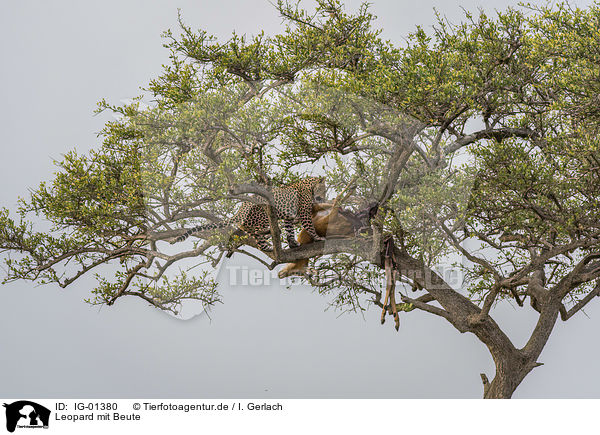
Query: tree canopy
{"x": 477, "y": 140}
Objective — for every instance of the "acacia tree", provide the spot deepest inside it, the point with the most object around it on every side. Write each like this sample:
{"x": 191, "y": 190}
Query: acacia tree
{"x": 477, "y": 141}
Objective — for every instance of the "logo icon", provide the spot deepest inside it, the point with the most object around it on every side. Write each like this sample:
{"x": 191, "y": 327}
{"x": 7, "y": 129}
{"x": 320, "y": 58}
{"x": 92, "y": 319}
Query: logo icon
{"x": 26, "y": 414}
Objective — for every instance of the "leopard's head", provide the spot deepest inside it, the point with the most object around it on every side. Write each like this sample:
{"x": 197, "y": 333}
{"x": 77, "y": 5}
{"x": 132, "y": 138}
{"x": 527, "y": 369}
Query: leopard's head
{"x": 319, "y": 189}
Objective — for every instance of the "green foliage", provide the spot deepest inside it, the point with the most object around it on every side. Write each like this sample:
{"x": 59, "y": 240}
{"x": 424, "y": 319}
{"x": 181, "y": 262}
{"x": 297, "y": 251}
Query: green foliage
{"x": 500, "y": 115}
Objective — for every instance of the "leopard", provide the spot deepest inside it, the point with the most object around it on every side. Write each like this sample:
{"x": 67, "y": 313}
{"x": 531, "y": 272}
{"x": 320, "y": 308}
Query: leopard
{"x": 293, "y": 203}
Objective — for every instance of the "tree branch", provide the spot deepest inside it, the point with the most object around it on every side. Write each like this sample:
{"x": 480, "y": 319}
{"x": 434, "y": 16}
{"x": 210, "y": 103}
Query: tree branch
{"x": 424, "y": 306}
{"x": 578, "y": 275}
{"x": 498, "y": 134}
{"x": 566, "y": 315}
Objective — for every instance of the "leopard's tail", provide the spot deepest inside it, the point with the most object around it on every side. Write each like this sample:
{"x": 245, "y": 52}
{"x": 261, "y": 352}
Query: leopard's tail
{"x": 200, "y": 228}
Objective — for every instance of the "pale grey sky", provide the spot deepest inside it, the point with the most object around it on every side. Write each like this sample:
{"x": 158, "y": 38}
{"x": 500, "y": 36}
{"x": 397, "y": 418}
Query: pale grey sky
{"x": 59, "y": 59}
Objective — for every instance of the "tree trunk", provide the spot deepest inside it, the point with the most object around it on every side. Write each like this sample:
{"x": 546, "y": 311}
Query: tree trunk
{"x": 513, "y": 365}
{"x": 508, "y": 377}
